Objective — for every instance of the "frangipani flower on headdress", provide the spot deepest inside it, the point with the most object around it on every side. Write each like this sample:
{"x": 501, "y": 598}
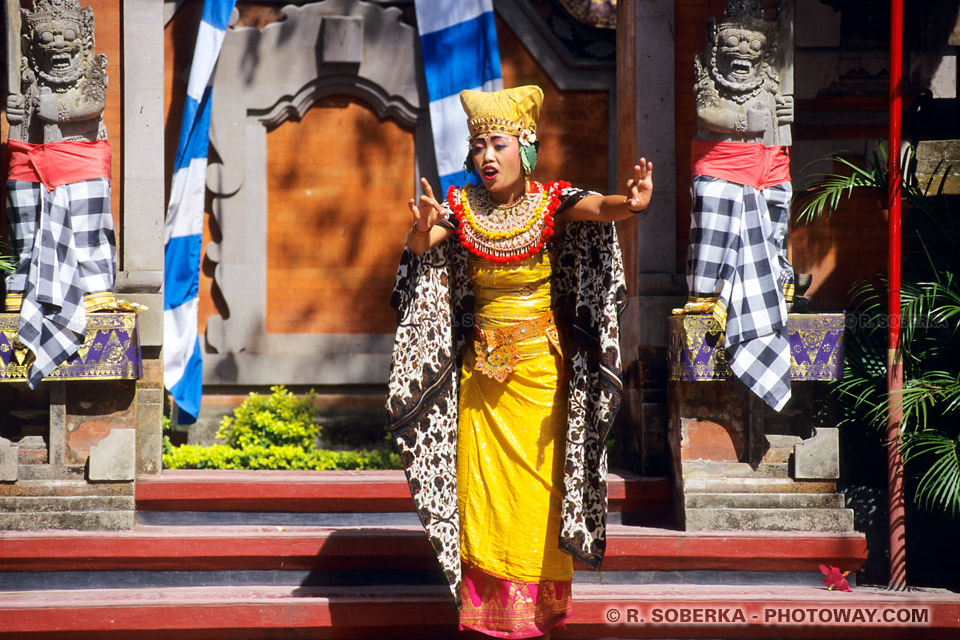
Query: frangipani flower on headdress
{"x": 527, "y": 137}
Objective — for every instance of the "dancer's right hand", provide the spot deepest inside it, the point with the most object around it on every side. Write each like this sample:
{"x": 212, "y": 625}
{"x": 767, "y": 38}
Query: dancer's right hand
{"x": 427, "y": 211}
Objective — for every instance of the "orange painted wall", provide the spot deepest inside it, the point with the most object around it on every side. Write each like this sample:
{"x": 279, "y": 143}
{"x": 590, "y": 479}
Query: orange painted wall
{"x": 338, "y": 182}
{"x": 840, "y": 249}
{"x": 106, "y": 14}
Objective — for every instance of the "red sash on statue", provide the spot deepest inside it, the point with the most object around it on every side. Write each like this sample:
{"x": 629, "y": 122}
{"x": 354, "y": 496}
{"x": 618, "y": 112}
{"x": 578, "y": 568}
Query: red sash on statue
{"x": 58, "y": 163}
{"x": 747, "y": 163}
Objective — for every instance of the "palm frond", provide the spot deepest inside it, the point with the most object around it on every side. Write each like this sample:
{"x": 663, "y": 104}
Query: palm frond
{"x": 938, "y": 486}
{"x": 8, "y": 263}
{"x": 932, "y": 394}
{"x": 824, "y": 195}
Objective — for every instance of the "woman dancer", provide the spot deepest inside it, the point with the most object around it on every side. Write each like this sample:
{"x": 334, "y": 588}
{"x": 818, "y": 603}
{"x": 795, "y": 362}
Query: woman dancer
{"x": 509, "y": 471}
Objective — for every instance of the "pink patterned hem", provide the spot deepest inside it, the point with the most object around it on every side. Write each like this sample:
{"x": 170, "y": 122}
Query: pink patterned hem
{"x": 505, "y": 608}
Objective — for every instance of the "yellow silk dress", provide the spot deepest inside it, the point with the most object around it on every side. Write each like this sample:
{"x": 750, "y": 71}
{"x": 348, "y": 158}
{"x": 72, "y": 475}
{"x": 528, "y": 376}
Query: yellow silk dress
{"x": 510, "y": 454}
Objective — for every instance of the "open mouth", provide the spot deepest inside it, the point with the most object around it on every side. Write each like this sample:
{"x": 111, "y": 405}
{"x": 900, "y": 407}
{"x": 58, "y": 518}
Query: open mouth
{"x": 61, "y": 61}
{"x": 740, "y": 67}
{"x": 489, "y": 173}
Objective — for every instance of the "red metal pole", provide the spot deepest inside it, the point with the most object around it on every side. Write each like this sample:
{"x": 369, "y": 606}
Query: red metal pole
{"x": 898, "y": 556}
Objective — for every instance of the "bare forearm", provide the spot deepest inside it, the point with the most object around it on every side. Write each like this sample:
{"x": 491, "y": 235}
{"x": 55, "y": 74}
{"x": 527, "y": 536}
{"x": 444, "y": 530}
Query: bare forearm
{"x": 612, "y": 208}
{"x": 615, "y": 208}
{"x": 599, "y": 208}
{"x": 423, "y": 242}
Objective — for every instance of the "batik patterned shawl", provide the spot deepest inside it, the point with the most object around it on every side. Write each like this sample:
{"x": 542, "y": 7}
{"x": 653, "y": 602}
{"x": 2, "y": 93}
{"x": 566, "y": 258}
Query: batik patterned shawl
{"x": 434, "y": 300}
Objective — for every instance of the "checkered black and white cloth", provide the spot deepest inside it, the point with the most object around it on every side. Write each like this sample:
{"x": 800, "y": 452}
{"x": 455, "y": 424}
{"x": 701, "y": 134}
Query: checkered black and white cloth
{"x": 65, "y": 248}
{"x": 737, "y": 253}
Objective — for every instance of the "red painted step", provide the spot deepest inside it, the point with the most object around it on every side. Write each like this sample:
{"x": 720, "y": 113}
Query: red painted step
{"x": 654, "y": 611}
{"x": 334, "y": 491}
{"x": 404, "y": 547}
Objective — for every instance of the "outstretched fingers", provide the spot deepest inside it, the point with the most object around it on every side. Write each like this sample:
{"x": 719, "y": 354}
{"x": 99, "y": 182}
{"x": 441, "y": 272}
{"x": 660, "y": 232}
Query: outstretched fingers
{"x": 427, "y": 189}
{"x": 642, "y": 171}
{"x": 639, "y": 187}
{"x": 427, "y": 199}
{"x": 426, "y": 210}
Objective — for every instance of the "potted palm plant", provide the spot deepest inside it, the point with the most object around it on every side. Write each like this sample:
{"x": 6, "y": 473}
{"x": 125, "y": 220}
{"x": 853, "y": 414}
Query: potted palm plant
{"x": 929, "y": 333}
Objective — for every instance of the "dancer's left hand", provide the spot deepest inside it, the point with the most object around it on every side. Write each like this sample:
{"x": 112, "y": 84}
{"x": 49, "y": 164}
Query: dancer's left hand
{"x": 640, "y": 186}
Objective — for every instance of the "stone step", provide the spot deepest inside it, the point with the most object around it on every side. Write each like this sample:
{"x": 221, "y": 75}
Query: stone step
{"x": 757, "y": 485}
{"x": 710, "y": 469}
{"x": 336, "y": 491}
{"x": 780, "y": 447}
{"x": 61, "y": 487}
{"x": 54, "y": 504}
{"x": 764, "y": 501}
{"x": 836, "y": 520}
{"x": 781, "y": 441}
{"x": 428, "y": 612}
{"x": 83, "y": 512}
{"x": 175, "y": 549}
{"x": 80, "y": 520}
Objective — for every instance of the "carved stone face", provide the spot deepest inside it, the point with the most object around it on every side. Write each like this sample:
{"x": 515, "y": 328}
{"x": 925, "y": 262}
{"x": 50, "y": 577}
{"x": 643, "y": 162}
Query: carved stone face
{"x": 58, "y": 50}
{"x": 739, "y": 58}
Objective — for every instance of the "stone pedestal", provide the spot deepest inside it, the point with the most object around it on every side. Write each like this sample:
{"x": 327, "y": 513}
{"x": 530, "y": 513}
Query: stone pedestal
{"x": 68, "y": 449}
{"x": 737, "y": 464}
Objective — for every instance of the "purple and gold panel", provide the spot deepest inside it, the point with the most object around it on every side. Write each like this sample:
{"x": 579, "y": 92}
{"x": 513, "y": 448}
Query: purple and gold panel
{"x": 110, "y": 350}
{"x": 695, "y": 347}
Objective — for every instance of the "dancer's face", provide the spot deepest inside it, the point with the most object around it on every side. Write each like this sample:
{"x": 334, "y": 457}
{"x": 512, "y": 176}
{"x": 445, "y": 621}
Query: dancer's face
{"x": 496, "y": 157}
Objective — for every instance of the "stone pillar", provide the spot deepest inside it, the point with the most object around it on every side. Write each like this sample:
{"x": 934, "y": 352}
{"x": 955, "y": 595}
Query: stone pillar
{"x": 645, "y": 122}
{"x": 141, "y": 269}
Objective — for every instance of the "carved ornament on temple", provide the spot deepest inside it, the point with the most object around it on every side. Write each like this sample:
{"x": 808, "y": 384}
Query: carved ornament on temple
{"x": 62, "y": 79}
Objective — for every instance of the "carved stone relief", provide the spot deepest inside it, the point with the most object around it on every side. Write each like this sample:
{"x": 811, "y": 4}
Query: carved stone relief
{"x": 63, "y": 80}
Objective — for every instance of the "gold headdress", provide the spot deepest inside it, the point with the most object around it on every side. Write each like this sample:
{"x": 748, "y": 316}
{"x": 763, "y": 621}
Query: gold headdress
{"x": 512, "y": 111}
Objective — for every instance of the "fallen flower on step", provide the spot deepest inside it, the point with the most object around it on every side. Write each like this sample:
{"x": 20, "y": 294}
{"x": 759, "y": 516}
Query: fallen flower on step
{"x": 833, "y": 579}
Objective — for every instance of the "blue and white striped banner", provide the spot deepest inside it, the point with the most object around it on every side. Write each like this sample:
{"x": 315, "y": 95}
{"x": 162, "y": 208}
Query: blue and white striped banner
{"x": 459, "y": 42}
{"x": 183, "y": 231}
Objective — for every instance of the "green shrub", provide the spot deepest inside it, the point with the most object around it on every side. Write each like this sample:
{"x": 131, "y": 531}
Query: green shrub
{"x": 221, "y": 456}
{"x": 278, "y": 419}
{"x": 273, "y": 432}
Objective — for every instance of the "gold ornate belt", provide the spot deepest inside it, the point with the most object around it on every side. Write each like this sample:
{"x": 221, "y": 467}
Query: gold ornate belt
{"x": 498, "y": 349}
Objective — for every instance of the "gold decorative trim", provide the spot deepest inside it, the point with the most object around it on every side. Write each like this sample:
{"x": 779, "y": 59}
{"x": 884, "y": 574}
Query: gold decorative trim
{"x": 789, "y": 290}
{"x": 495, "y": 124}
{"x": 97, "y": 301}
{"x": 110, "y": 350}
{"x": 91, "y": 302}
{"x": 14, "y": 302}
